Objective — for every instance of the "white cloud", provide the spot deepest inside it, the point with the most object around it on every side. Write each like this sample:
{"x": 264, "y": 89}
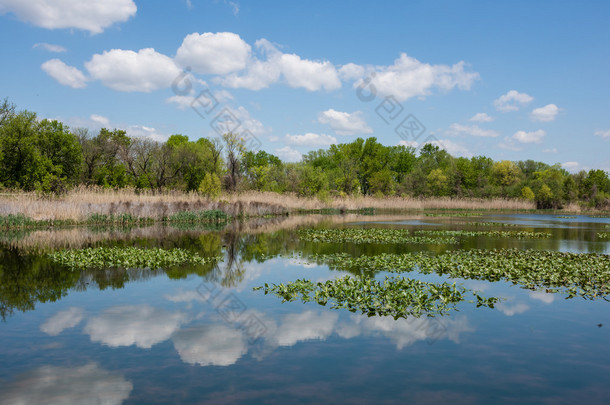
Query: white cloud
{"x": 50, "y": 47}
{"x": 62, "y": 320}
{"x": 64, "y": 74}
{"x": 545, "y": 297}
{"x": 91, "y": 15}
{"x": 181, "y": 102}
{"x": 311, "y": 139}
{"x": 88, "y": 384}
{"x": 603, "y": 133}
{"x": 304, "y": 326}
{"x": 512, "y": 101}
{"x": 550, "y": 150}
{"x": 472, "y": 130}
{"x": 570, "y": 165}
{"x": 344, "y": 123}
{"x": 212, "y": 345}
{"x": 125, "y": 70}
{"x": 287, "y": 154}
{"x": 213, "y": 53}
{"x": 351, "y": 71}
{"x": 234, "y": 7}
{"x": 142, "y": 131}
{"x": 223, "y": 96}
{"x": 408, "y": 78}
{"x": 454, "y": 149}
{"x": 546, "y": 113}
{"x": 310, "y": 75}
{"x": 141, "y": 325}
{"x": 412, "y": 144}
{"x": 249, "y": 123}
{"x": 509, "y": 144}
{"x": 481, "y": 117}
{"x": 512, "y": 309}
{"x": 529, "y": 137}
{"x": 296, "y": 72}
{"x": 101, "y": 120}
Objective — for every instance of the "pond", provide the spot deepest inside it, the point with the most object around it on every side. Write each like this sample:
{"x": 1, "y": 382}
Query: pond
{"x": 200, "y": 333}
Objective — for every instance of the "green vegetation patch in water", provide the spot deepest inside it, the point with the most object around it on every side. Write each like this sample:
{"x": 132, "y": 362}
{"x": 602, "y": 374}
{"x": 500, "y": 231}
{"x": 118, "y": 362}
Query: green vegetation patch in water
{"x": 488, "y": 234}
{"x": 200, "y": 216}
{"x": 395, "y": 296}
{"x": 456, "y": 214}
{"x": 370, "y": 235}
{"x": 129, "y": 257}
{"x": 577, "y": 274}
{"x": 490, "y": 224}
{"x": 604, "y": 235}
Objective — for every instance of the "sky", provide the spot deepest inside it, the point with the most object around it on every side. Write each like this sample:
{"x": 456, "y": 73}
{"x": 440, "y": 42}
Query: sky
{"x": 510, "y": 80}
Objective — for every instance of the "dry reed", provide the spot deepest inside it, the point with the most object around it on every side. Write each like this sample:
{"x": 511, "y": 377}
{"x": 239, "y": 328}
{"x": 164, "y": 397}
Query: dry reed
{"x": 81, "y": 202}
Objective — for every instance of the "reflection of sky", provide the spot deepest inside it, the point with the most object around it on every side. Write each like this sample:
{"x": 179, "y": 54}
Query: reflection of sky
{"x": 162, "y": 335}
{"x": 88, "y": 384}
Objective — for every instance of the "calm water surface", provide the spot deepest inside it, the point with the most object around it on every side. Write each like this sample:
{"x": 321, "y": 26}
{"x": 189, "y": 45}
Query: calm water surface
{"x": 202, "y": 335}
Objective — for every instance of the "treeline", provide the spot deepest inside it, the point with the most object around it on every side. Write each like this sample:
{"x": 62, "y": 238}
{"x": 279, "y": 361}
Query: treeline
{"x": 47, "y": 156}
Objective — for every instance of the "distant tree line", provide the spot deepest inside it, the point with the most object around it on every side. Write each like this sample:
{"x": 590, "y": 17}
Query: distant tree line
{"x": 47, "y": 156}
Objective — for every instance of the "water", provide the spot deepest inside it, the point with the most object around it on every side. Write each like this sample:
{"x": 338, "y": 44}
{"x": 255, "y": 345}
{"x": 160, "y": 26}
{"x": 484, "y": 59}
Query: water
{"x": 202, "y": 335}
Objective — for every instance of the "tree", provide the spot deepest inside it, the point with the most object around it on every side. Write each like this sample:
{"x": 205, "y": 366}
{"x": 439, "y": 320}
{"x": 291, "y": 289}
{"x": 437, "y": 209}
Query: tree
{"x": 21, "y": 163}
{"x": 544, "y": 198}
{"x": 235, "y": 148}
{"x": 506, "y": 173}
{"x": 210, "y": 185}
{"x": 527, "y": 193}
{"x": 62, "y": 148}
{"x": 437, "y": 182}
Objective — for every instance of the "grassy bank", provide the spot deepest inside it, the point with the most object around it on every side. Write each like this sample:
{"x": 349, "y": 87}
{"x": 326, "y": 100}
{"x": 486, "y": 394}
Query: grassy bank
{"x": 126, "y": 206}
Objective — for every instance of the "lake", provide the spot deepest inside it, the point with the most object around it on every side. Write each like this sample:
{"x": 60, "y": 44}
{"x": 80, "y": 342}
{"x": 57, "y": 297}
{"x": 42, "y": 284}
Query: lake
{"x": 201, "y": 334}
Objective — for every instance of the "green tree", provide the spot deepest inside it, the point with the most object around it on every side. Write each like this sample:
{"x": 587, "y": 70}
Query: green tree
{"x": 210, "y": 185}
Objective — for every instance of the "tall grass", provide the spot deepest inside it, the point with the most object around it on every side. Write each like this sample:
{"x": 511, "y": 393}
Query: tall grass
{"x": 83, "y": 204}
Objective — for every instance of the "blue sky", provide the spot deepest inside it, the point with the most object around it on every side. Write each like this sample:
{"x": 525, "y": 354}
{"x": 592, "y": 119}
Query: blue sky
{"x": 510, "y": 80}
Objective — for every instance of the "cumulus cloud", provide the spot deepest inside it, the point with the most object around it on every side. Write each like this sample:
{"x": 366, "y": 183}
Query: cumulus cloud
{"x": 295, "y": 71}
{"x": 310, "y": 75}
{"x": 472, "y": 130}
{"x": 512, "y": 309}
{"x": 91, "y": 15}
{"x": 304, "y": 326}
{"x": 211, "y": 345}
{"x": 213, "y": 53}
{"x": 411, "y": 144}
{"x": 49, "y": 47}
{"x": 453, "y": 148}
{"x": 125, "y": 70}
{"x": 550, "y": 150}
{"x": 529, "y": 137}
{"x": 287, "y": 154}
{"x": 141, "y": 325}
{"x": 408, "y": 77}
{"x": 62, "y": 320}
{"x": 546, "y": 113}
{"x": 603, "y": 133}
{"x": 512, "y": 101}
{"x": 88, "y": 384}
{"x": 101, "y": 120}
{"x": 311, "y": 139}
{"x": 545, "y": 297}
{"x": 142, "y": 131}
{"x": 570, "y": 165}
{"x": 344, "y": 123}
{"x": 65, "y": 74}
{"x": 481, "y": 117}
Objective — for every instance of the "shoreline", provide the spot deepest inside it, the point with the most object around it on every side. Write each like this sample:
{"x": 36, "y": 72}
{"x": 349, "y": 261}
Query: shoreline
{"x": 127, "y": 207}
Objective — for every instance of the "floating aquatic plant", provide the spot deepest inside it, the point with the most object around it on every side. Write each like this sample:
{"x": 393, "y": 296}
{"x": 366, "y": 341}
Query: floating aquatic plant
{"x": 488, "y": 234}
{"x": 129, "y": 257}
{"x": 577, "y": 274}
{"x": 603, "y": 235}
{"x": 457, "y": 214}
{"x": 490, "y": 224}
{"x": 395, "y": 296}
{"x": 370, "y": 235}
